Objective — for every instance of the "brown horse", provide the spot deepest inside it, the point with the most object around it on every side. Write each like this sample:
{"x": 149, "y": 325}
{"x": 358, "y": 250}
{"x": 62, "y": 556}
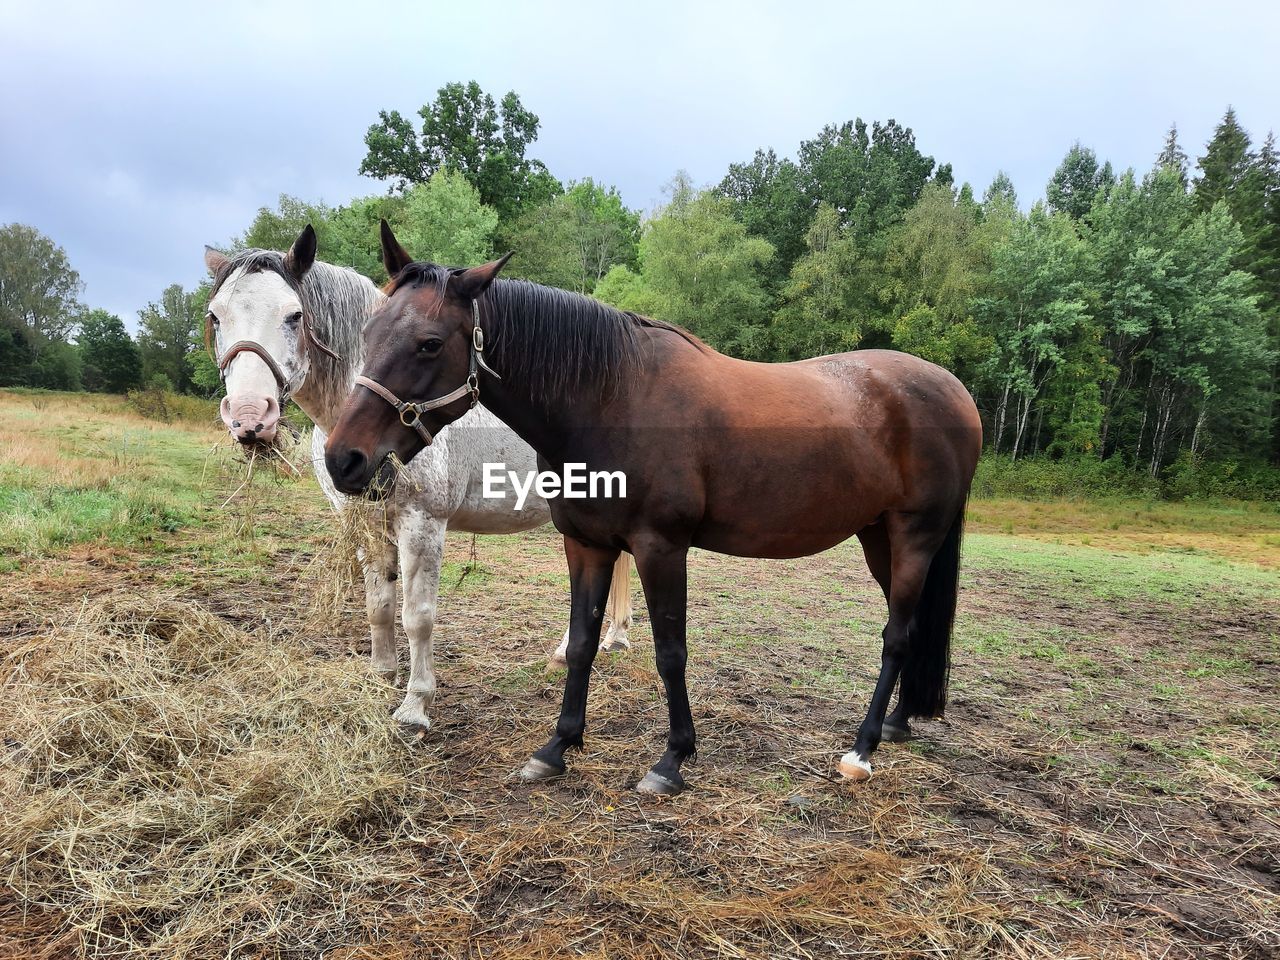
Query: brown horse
{"x": 748, "y": 459}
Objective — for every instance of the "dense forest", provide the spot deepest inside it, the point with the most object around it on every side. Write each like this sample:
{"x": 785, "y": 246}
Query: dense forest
{"x": 1131, "y": 317}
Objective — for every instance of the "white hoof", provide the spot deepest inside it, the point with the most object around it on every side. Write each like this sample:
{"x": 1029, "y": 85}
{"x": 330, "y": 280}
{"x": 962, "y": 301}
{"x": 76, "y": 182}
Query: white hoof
{"x": 854, "y": 766}
{"x": 412, "y": 714}
{"x": 615, "y": 641}
{"x": 536, "y": 770}
{"x": 561, "y": 657}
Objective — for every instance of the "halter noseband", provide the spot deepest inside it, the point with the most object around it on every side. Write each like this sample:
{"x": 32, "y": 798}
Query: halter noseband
{"x": 418, "y": 408}
{"x": 252, "y": 346}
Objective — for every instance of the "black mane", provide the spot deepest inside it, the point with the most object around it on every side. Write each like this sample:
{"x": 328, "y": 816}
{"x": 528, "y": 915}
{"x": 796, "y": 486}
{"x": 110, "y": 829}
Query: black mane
{"x": 552, "y": 342}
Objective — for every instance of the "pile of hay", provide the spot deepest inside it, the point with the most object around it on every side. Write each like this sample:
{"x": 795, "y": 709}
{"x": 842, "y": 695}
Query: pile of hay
{"x": 174, "y": 786}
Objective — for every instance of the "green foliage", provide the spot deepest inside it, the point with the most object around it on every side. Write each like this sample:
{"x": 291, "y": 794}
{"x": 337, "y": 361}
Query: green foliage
{"x": 1035, "y": 312}
{"x": 573, "y": 240}
{"x": 1075, "y": 184}
{"x": 1041, "y": 478}
{"x": 169, "y": 332}
{"x": 111, "y": 361}
{"x": 872, "y": 176}
{"x": 769, "y": 198}
{"x": 936, "y": 263}
{"x": 699, "y": 268}
{"x": 819, "y": 312}
{"x": 464, "y": 129}
{"x": 444, "y": 220}
{"x": 39, "y": 308}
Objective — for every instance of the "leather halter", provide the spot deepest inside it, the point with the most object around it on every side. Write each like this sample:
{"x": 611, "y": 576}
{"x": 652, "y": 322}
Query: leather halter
{"x": 307, "y": 335}
{"x": 418, "y": 408}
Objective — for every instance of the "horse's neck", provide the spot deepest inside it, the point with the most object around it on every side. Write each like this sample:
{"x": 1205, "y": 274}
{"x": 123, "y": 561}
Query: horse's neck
{"x": 321, "y": 397}
{"x": 327, "y": 385}
{"x": 542, "y": 427}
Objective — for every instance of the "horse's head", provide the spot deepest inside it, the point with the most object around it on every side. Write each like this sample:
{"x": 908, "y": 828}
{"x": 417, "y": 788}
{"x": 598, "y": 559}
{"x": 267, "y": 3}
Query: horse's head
{"x": 420, "y": 365}
{"x": 257, "y": 328}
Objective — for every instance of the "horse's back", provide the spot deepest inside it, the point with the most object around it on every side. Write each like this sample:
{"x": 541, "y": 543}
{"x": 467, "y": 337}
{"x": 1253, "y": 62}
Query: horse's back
{"x": 819, "y": 448}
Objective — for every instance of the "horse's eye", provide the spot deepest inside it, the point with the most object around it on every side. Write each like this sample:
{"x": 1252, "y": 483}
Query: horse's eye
{"x": 431, "y": 346}
{"x": 212, "y": 318}
{"x": 294, "y": 318}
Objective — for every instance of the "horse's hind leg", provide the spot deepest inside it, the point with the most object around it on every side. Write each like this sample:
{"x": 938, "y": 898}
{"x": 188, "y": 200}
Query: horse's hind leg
{"x": 913, "y": 540}
{"x": 421, "y": 553}
{"x": 379, "y": 565}
{"x": 619, "y": 612}
{"x": 875, "y": 547}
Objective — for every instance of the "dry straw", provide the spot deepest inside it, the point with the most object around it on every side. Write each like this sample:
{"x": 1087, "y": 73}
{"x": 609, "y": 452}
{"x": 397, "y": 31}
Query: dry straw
{"x": 175, "y": 787}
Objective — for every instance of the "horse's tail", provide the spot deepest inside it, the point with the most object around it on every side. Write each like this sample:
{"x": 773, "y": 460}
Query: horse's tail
{"x": 928, "y": 665}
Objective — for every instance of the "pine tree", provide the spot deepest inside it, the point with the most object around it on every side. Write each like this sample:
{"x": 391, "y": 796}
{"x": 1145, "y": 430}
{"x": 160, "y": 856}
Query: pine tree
{"x": 1225, "y": 164}
{"x": 1173, "y": 156}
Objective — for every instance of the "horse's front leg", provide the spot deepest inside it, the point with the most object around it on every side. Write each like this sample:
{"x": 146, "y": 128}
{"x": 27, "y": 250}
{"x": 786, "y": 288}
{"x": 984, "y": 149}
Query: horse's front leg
{"x": 379, "y": 566}
{"x": 618, "y": 615}
{"x": 590, "y": 571}
{"x": 421, "y": 553}
{"x": 663, "y": 574}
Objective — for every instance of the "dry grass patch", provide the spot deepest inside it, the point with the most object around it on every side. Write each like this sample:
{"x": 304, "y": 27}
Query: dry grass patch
{"x": 173, "y": 786}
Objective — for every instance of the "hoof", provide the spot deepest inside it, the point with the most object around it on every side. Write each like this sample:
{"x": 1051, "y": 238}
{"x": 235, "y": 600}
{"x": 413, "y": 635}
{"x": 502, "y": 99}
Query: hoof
{"x": 615, "y": 643}
{"x": 854, "y": 766}
{"x": 410, "y": 715}
{"x": 557, "y": 661}
{"x": 656, "y": 785}
{"x": 536, "y": 770}
{"x": 892, "y": 734}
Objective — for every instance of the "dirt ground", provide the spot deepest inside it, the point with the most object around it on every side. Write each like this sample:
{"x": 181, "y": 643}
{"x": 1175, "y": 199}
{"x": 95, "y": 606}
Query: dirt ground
{"x": 1105, "y": 782}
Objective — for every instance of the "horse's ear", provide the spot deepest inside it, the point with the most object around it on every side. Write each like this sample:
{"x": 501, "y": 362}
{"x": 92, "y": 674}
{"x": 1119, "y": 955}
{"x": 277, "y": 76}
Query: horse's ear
{"x": 393, "y": 256}
{"x": 302, "y": 254}
{"x": 214, "y": 260}
{"x": 469, "y": 284}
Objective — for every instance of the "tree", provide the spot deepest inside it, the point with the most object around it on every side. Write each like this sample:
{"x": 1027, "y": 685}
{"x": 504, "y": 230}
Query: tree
{"x": 1173, "y": 157}
{"x": 464, "y": 129}
{"x": 1209, "y": 361}
{"x": 819, "y": 312}
{"x": 39, "y": 307}
{"x": 573, "y": 240}
{"x": 936, "y": 263}
{"x": 167, "y": 335}
{"x": 700, "y": 268}
{"x": 768, "y": 198}
{"x": 277, "y": 229}
{"x": 1001, "y": 191}
{"x": 1035, "y": 313}
{"x": 1075, "y": 184}
{"x": 108, "y": 355}
{"x": 444, "y": 220}
{"x": 1225, "y": 168}
{"x": 870, "y": 176}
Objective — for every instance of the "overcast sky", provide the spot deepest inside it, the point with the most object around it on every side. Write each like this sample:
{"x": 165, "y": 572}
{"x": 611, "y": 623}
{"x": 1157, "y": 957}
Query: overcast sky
{"x": 133, "y": 134}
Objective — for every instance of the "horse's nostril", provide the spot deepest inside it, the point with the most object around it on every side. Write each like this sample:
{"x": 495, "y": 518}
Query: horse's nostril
{"x": 355, "y": 463}
{"x": 258, "y": 428}
{"x": 235, "y": 423}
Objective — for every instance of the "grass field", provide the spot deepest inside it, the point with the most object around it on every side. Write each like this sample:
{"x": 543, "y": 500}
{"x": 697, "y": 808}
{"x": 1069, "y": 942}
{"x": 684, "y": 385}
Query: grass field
{"x": 1106, "y": 782}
